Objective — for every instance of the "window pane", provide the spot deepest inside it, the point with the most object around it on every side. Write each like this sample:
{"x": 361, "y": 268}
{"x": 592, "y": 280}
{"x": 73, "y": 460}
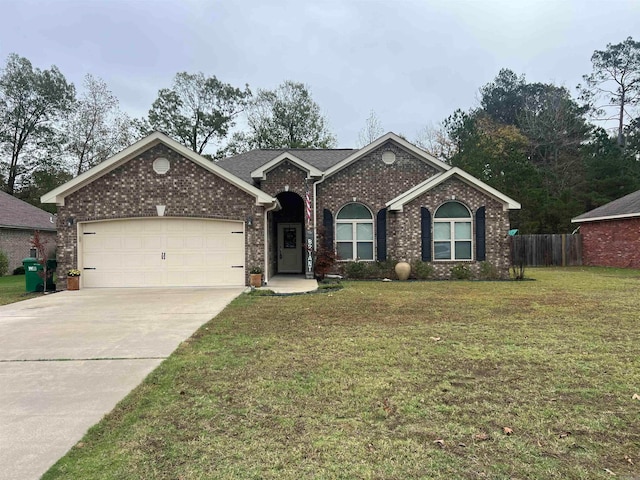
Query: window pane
{"x": 452, "y": 210}
{"x": 463, "y": 230}
{"x": 442, "y": 250}
{"x": 365, "y": 250}
{"x": 344, "y": 231}
{"x": 354, "y": 210}
{"x": 345, "y": 250}
{"x": 463, "y": 250}
{"x": 364, "y": 231}
{"x": 442, "y": 231}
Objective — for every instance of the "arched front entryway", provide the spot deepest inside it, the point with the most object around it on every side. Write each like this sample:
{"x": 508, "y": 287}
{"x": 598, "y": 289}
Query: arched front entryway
{"x": 288, "y": 232}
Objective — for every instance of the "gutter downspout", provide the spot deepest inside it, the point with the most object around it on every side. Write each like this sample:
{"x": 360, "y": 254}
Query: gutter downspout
{"x": 276, "y": 206}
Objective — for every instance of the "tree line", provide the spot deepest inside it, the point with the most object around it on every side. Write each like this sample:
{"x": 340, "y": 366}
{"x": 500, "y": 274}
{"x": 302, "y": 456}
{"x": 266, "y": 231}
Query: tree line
{"x": 540, "y": 145}
{"x": 533, "y": 141}
{"x": 50, "y": 132}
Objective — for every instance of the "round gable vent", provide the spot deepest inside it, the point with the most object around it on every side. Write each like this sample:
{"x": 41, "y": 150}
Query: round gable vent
{"x": 161, "y": 165}
{"x": 388, "y": 158}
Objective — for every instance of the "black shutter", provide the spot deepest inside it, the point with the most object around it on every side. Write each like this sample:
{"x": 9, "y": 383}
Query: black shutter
{"x": 327, "y": 223}
{"x": 481, "y": 249}
{"x": 425, "y": 226}
{"x": 381, "y": 235}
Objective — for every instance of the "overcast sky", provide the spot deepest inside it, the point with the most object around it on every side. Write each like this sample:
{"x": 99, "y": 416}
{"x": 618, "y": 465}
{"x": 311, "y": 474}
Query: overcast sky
{"x": 412, "y": 62}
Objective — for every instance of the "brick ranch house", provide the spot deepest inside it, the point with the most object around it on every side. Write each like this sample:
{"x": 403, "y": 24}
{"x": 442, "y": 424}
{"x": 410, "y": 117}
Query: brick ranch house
{"x": 18, "y": 221}
{"x": 159, "y": 214}
{"x": 611, "y": 233}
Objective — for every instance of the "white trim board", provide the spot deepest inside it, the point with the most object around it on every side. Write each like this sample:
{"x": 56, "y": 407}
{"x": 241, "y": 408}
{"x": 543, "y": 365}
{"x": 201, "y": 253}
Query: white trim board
{"x": 401, "y": 200}
{"x": 260, "y": 173}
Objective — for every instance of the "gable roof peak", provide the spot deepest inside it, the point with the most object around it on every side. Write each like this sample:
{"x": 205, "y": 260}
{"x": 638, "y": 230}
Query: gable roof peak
{"x": 58, "y": 195}
{"x": 401, "y": 200}
{"x": 426, "y": 157}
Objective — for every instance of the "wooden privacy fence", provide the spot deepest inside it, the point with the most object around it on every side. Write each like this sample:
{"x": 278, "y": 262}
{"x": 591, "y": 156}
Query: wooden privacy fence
{"x": 560, "y": 250}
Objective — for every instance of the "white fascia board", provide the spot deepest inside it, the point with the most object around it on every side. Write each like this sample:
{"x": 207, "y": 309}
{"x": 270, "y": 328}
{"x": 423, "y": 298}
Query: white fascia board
{"x": 418, "y": 152}
{"x": 261, "y": 172}
{"x": 608, "y": 217}
{"x": 398, "y": 203}
{"x": 58, "y": 195}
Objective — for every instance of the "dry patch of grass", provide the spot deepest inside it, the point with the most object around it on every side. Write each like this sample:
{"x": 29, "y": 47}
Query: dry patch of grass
{"x": 395, "y": 381}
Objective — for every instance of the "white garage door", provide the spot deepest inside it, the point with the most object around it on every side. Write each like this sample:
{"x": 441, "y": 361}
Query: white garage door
{"x": 158, "y": 252}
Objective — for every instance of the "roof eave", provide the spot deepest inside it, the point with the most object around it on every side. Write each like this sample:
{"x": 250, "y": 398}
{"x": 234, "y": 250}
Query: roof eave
{"x": 621, "y": 216}
{"x": 53, "y": 228}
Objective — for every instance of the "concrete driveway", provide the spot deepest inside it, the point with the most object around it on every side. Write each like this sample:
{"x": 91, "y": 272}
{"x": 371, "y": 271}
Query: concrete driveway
{"x": 67, "y": 358}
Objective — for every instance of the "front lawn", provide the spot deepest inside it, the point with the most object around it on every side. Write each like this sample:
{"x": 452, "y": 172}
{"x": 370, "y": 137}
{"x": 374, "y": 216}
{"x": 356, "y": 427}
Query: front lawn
{"x": 12, "y": 289}
{"x": 448, "y": 380}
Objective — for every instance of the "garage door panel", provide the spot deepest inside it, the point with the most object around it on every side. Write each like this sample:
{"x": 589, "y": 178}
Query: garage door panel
{"x": 152, "y": 242}
{"x": 162, "y": 252}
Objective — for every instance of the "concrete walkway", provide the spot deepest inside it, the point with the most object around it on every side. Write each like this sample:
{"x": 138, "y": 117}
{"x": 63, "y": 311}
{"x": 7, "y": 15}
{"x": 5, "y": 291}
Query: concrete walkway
{"x": 67, "y": 358}
{"x": 291, "y": 283}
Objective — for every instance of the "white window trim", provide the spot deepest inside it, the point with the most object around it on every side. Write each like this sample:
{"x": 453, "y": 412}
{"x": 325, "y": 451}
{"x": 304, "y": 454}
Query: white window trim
{"x": 354, "y": 241}
{"x": 453, "y": 240}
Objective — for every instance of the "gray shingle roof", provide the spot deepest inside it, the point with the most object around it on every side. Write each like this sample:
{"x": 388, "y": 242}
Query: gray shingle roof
{"x": 15, "y": 213}
{"x": 629, "y": 205}
{"x": 242, "y": 165}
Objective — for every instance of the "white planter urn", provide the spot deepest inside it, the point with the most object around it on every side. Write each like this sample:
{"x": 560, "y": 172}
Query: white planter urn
{"x": 403, "y": 270}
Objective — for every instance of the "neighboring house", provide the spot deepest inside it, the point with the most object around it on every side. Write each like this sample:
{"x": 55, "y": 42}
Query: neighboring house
{"x": 611, "y": 233}
{"x": 18, "y": 220}
{"x": 159, "y": 214}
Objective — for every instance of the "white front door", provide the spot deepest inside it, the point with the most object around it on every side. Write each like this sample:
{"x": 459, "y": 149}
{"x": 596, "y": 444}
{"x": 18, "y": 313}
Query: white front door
{"x": 289, "y": 248}
{"x": 161, "y": 251}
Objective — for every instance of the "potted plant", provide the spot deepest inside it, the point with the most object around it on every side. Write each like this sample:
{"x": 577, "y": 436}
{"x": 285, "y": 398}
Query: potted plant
{"x": 255, "y": 276}
{"x": 73, "y": 279}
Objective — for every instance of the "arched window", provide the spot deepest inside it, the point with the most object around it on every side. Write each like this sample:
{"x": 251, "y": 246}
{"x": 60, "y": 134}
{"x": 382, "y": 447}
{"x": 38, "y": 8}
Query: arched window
{"x": 354, "y": 232}
{"x": 452, "y": 232}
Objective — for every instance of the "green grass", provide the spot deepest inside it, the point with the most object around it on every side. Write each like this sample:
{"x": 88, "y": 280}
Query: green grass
{"x": 363, "y": 382}
{"x": 12, "y": 289}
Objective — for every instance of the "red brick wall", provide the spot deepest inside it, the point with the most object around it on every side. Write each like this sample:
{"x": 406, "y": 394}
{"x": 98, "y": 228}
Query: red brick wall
{"x": 611, "y": 243}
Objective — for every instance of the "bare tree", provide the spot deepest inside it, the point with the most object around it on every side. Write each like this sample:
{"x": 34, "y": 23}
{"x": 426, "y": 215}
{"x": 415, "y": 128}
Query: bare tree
{"x": 435, "y": 140}
{"x": 372, "y": 130}
{"x": 96, "y": 129}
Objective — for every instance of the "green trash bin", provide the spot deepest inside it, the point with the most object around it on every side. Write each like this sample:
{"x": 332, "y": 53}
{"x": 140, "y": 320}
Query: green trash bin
{"x": 33, "y": 271}
{"x": 31, "y": 274}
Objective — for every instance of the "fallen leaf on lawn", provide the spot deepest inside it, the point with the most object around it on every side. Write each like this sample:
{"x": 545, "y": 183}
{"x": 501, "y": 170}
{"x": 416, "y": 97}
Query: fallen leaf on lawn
{"x": 507, "y": 430}
{"x": 440, "y": 443}
{"x": 435, "y": 339}
{"x": 635, "y": 397}
{"x": 628, "y": 459}
{"x": 482, "y": 437}
{"x": 609, "y": 472}
{"x": 461, "y": 445}
{"x": 565, "y": 434}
